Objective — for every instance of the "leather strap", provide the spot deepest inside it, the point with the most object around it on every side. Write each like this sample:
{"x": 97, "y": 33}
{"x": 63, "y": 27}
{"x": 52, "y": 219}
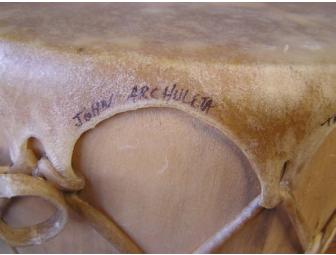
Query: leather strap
{"x": 13, "y": 185}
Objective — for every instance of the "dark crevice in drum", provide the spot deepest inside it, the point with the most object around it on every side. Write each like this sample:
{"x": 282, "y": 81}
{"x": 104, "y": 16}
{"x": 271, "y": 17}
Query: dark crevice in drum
{"x": 36, "y": 147}
{"x": 284, "y": 169}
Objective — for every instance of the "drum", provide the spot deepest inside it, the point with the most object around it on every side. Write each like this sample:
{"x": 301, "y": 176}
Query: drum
{"x": 167, "y": 128}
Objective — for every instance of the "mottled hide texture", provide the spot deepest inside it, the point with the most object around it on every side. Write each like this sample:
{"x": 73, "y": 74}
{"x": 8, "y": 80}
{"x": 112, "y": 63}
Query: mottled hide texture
{"x": 262, "y": 75}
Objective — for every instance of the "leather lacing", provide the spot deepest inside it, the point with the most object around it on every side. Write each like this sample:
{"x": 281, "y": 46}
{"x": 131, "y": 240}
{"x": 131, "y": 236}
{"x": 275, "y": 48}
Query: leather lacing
{"x": 19, "y": 184}
{"x": 50, "y": 189}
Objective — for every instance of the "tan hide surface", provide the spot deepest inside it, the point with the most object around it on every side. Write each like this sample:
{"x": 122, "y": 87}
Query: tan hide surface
{"x": 135, "y": 200}
{"x": 252, "y": 87}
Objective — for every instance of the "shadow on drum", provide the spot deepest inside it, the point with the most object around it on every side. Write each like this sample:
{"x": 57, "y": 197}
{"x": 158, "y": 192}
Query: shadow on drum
{"x": 168, "y": 179}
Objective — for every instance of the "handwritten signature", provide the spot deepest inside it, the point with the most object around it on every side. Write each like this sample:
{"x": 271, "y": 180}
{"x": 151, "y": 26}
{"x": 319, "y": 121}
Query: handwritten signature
{"x": 169, "y": 93}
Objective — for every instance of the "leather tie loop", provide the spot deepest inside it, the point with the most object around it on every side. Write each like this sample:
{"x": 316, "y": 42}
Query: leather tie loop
{"x": 13, "y": 185}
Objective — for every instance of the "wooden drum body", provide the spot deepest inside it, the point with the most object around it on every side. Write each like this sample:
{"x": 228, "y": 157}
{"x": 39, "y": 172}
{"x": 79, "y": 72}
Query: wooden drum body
{"x": 167, "y": 128}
